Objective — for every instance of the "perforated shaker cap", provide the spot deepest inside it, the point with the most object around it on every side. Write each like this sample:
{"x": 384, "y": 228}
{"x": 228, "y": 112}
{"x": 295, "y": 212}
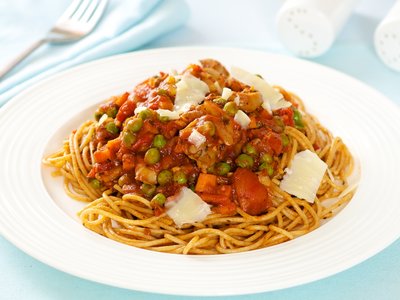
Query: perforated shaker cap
{"x": 387, "y": 38}
{"x": 309, "y": 27}
{"x": 305, "y": 31}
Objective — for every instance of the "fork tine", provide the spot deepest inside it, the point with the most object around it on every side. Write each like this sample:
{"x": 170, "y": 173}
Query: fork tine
{"x": 97, "y": 13}
{"x": 80, "y": 10}
{"x": 89, "y": 11}
{"x": 70, "y": 10}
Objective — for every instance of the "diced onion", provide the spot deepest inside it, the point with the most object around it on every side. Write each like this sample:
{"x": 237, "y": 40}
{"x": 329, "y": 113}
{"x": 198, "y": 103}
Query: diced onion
{"x": 304, "y": 176}
{"x": 196, "y": 138}
{"x": 102, "y": 119}
{"x": 226, "y": 93}
{"x": 187, "y": 207}
{"x": 272, "y": 98}
{"x": 172, "y": 115}
{"x": 190, "y": 90}
{"x": 242, "y": 119}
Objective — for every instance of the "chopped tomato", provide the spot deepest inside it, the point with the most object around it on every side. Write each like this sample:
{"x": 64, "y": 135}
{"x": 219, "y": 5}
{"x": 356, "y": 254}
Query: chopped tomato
{"x": 114, "y": 145}
{"x": 221, "y": 199}
{"x": 251, "y": 195}
{"x": 274, "y": 141}
{"x": 287, "y": 116}
{"x": 214, "y": 199}
{"x": 144, "y": 141}
{"x": 126, "y": 110}
{"x": 102, "y": 155}
{"x": 226, "y": 209}
{"x": 128, "y": 162}
{"x": 206, "y": 183}
{"x": 143, "y": 90}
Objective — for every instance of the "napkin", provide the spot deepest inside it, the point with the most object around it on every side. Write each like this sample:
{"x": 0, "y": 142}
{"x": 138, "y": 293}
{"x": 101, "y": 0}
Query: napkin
{"x": 125, "y": 26}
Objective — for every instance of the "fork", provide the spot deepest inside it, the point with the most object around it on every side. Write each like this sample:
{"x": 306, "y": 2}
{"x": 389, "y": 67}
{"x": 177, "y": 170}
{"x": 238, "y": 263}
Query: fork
{"x": 77, "y": 21}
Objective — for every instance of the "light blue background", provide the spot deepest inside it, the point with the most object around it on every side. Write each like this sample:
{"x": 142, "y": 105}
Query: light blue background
{"x": 247, "y": 24}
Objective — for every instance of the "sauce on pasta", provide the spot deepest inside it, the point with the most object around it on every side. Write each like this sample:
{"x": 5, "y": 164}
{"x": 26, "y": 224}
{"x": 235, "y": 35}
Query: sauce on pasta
{"x": 204, "y": 135}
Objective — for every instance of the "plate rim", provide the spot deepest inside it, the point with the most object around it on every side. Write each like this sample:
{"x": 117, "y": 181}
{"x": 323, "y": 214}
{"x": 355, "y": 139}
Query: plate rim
{"x": 21, "y": 95}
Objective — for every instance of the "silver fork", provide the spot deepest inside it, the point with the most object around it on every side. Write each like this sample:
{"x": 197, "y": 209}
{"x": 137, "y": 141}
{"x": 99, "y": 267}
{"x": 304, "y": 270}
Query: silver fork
{"x": 78, "y": 20}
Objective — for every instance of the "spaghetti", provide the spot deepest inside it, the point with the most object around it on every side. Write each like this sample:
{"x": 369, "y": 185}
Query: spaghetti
{"x": 133, "y": 160}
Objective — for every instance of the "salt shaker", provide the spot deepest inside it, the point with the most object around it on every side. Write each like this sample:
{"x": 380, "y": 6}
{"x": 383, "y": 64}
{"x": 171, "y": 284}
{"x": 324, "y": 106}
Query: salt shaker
{"x": 387, "y": 38}
{"x": 309, "y": 27}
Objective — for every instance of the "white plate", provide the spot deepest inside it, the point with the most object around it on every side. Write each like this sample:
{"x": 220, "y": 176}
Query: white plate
{"x": 38, "y": 218}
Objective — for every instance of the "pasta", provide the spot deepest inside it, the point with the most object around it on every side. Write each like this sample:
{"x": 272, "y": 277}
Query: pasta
{"x": 230, "y": 149}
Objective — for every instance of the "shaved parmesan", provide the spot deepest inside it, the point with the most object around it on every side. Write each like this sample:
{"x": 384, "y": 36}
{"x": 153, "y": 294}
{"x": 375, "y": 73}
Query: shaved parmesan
{"x": 272, "y": 99}
{"x": 226, "y": 93}
{"x": 171, "y": 115}
{"x": 196, "y": 138}
{"x": 304, "y": 176}
{"x": 242, "y": 119}
{"x": 190, "y": 90}
{"x": 187, "y": 207}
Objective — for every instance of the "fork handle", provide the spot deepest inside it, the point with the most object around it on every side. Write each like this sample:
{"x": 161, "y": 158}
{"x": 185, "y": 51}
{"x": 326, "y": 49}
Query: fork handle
{"x": 20, "y": 57}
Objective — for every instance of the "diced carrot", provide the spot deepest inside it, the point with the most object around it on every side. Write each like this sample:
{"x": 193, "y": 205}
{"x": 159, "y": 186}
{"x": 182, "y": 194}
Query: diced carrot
{"x": 206, "y": 183}
{"x": 114, "y": 145}
{"x": 253, "y": 123}
{"x": 102, "y": 155}
{"x": 121, "y": 99}
{"x": 93, "y": 171}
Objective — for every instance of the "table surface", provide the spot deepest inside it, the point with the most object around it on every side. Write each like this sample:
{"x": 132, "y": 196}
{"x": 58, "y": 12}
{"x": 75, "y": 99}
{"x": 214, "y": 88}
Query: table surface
{"x": 245, "y": 24}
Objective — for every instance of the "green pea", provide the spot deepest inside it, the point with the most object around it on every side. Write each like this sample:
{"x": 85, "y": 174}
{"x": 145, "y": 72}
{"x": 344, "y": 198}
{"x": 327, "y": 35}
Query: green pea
{"x": 152, "y": 156}
{"x": 134, "y": 125}
{"x": 249, "y": 149}
{"x": 112, "y": 112}
{"x": 96, "y": 184}
{"x": 159, "y": 199}
{"x": 267, "y": 158}
{"x": 222, "y": 168}
{"x": 159, "y": 141}
{"x": 145, "y": 114}
{"x": 98, "y": 114}
{"x": 209, "y": 127}
{"x": 285, "y": 140}
{"x": 112, "y": 128}
{"x": 211, "y": 170}
{"x": 220, "y": 100}
{"x": 231, "y": 108}
{"x": 298, "y": 119}
{"x": 164, "y": 177}
{"x": 244, "y": 161}
{"x": 163, "y": 118}
{"x": 124, "y": 179}
{"x": 268, "y": 167}
{"x": 180, "y": 177}
{"x": 128, "y": 138}
{"x": 148, "y": 189}
{"x": 162, "y": 92}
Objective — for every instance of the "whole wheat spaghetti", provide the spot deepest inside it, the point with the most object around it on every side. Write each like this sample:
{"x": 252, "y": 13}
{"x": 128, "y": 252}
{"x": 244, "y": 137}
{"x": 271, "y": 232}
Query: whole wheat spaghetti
{"x": 143, "y": 149}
